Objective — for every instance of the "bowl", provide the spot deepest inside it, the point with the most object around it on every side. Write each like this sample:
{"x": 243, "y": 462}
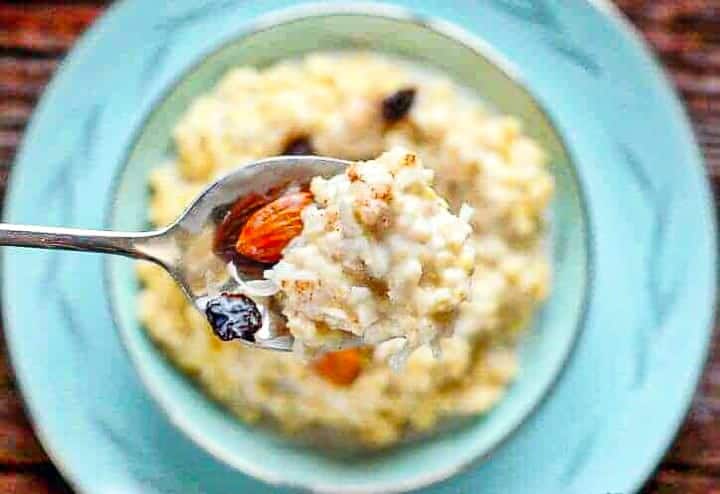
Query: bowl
{"x": 544, "y": 351}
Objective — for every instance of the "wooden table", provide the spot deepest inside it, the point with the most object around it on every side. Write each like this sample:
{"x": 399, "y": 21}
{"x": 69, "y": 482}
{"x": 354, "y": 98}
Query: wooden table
{"x": 35, "y": 35}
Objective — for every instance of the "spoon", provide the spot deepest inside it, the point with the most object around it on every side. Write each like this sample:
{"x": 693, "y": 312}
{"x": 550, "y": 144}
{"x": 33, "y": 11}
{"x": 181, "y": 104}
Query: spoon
{"x": 185, "y": 248}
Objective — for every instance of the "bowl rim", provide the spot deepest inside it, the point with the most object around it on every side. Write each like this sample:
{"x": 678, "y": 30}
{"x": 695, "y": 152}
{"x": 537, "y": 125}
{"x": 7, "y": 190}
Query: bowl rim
{"x": 437, "y": 25}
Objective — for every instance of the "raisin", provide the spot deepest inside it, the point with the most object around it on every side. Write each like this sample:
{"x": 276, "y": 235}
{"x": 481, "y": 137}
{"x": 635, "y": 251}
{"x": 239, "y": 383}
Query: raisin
{"x": 397, "y": 105}
{"x": 300, "y": 146}
{"x": 233, "y": 316}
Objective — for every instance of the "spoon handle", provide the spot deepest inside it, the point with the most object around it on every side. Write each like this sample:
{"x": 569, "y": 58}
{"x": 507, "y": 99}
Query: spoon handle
{"x": 46, "y": 237}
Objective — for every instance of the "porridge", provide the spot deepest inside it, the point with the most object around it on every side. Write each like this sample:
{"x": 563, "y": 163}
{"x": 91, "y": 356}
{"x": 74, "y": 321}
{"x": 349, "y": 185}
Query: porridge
{"x": 482, "y": 271}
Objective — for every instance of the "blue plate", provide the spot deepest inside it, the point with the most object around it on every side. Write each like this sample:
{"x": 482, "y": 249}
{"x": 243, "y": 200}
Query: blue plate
{"x": 616, "y": 407}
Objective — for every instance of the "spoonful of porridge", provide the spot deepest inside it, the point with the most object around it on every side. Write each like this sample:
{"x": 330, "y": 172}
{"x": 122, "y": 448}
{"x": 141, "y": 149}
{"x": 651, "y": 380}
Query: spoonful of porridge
{"x": 305, "y": 252}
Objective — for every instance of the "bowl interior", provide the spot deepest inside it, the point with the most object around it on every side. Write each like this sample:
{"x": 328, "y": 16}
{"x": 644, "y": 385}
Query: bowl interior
{"x": 543, "y": 352}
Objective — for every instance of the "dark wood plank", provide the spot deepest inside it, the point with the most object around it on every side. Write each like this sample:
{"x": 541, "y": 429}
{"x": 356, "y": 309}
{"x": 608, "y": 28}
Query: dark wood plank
{"x": 18, "y": 445}
{"x": 673, "y": 481}
{"x": 24, "y": 79}
{"x": 14, "y": 113}
{"x": 43, "y": 28}
{"x": 698, "y": 444}
{"x": 9, "y": 142}
{"x": 42, "y": 481}
{"x": 22, "y": 483}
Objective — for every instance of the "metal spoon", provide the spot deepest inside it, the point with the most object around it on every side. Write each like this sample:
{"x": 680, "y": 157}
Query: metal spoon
{"x": 185, "y": 248}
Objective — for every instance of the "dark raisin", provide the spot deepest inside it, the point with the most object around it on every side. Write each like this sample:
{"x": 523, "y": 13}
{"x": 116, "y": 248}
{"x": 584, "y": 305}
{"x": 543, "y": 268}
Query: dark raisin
{"x": 300, "y": 146}
{"x": 397, "y": 105}
{"x": 232, "y": 316}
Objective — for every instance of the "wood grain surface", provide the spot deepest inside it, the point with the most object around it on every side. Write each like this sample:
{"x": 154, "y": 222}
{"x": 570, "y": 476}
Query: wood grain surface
{"x": 35, "y": 35}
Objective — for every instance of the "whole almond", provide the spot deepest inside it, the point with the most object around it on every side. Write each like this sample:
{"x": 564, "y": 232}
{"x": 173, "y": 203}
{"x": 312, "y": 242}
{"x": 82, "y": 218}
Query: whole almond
{"x": 268, "y": 231}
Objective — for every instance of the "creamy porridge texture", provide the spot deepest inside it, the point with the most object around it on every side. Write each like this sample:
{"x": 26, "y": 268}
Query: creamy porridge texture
{"x": 358, "y": 106}
{"x": 380, "y": 256}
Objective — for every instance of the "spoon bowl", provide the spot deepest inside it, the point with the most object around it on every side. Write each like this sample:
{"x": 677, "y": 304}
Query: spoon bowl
{"x": 185, "y": 248}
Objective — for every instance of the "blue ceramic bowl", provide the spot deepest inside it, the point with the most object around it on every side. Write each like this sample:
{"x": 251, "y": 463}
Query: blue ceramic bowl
{"x": 544, "y": 351}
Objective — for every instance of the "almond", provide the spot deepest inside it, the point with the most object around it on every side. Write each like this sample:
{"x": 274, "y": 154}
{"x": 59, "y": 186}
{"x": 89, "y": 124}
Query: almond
{"x": 340, "y": 368}
{"x": 268, "y": 231}
{"x": 231, "y": 223}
